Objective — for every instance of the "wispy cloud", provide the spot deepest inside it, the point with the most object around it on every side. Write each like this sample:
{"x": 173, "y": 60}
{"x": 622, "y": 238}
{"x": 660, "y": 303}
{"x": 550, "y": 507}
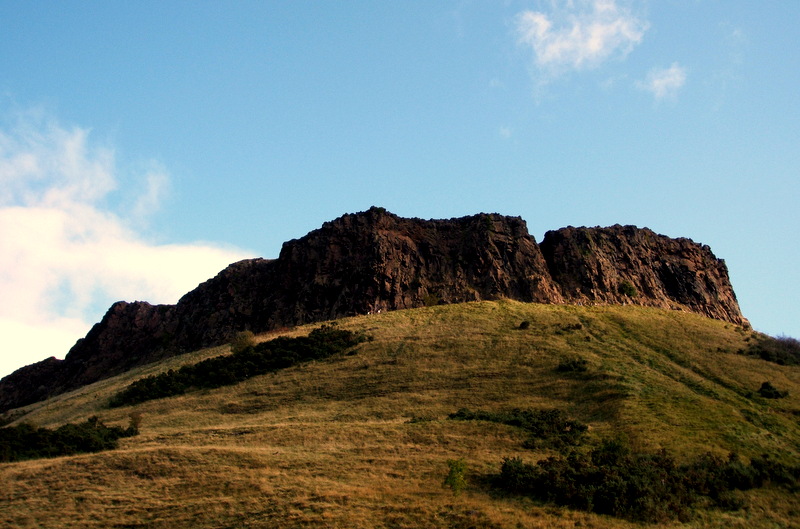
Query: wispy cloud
{"x": 578, "y": 34}
{"x": 156, "y": 185}
{"x": 65, "y": 255}
{"x": 664, "y": 82}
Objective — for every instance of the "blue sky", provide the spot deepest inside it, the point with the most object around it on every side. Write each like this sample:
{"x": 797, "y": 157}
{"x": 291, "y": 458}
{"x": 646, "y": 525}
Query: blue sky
{"x": 145, "y": 145}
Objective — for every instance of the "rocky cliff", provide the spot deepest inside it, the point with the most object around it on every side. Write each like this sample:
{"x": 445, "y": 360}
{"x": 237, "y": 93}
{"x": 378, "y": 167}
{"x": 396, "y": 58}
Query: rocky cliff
{"x": 375, "y": 261}
{"x": 625, "y": 264}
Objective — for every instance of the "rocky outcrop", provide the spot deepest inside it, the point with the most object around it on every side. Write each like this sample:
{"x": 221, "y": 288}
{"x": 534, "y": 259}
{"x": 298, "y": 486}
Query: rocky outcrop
{"x": 626, "y": 264}
{"x": 375, "y": 261}
{"x": 30, "y": 384}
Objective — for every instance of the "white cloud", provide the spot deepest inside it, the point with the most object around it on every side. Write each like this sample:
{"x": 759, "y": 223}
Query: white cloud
{"x": 156, "y": 186}
{"x": 579, "y": 34}
{"x": 664, "y": 82}
{"x": 64, "y": 256}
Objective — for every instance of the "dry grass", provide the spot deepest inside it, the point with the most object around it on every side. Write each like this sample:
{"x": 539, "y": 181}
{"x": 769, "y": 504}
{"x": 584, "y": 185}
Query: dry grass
{"x": 362, "y": 441}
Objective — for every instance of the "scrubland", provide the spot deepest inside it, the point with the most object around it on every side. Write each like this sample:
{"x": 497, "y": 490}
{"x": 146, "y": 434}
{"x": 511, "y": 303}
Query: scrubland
{"x": 362, "y": 439}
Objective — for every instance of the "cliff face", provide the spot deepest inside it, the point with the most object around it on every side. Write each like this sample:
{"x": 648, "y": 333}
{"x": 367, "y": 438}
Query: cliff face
{"x": 625, "y": 264}
{"x": 375, "y": 261}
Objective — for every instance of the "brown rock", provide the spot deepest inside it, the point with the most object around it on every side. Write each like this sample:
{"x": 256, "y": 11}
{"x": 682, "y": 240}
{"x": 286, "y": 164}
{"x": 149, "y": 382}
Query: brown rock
{"x": 625, "y": 264}
{"x": 375, "y": 261}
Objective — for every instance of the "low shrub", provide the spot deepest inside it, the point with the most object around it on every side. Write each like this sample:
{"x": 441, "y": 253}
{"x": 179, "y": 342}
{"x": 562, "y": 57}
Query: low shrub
{"x": 457, "y": 475}
{"x": 768, "y": 391}
{"x": 572, "y": 365}
{"x": 547, "y": 428}
{"x": 626, "y": 288}
{"x": 27, "y": 441}
{"x": 248, "y": 362}
{"x": 782, "y": 350}
{"x": 431, "y": 300}
{"x": 421, "y": 419}
{"x": 242, "y": 341}
{"x": 642, "y": 487}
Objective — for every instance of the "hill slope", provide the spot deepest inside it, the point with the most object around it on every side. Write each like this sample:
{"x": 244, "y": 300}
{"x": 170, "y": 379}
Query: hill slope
{"x": 375, "y": 261}
{"x": 362, "y": 440}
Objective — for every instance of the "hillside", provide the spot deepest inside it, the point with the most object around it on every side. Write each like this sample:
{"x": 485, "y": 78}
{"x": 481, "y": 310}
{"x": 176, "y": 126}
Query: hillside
{"x": 375, "y": 261}
{"x": 362, "y": 440}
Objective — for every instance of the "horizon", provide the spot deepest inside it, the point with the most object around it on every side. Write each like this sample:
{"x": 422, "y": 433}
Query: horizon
{"x": 145, "y": 147}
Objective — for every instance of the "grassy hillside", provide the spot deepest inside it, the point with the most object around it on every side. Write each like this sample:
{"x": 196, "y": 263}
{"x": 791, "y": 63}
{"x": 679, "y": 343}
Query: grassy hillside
{"x": 362, "y": 440}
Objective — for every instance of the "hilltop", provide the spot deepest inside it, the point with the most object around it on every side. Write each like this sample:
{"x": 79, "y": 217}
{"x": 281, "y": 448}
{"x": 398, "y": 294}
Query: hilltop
{"x": 362, "y": 439}
{"x": 375, "y": 261}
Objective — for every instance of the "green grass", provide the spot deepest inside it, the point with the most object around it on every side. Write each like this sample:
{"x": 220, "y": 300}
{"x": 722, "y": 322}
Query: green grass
{"x": 363, "y": 440}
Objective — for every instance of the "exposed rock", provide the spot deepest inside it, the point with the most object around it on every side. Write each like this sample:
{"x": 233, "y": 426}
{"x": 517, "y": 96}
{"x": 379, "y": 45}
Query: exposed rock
{"x": 625, "y": 264}
{"x": 29, "y": 384}
{"x": 375, "y": 261}
{"x": 129, "y": 335}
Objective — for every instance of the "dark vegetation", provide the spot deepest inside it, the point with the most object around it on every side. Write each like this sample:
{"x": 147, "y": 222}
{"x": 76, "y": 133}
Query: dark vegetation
{"x": 782, "y": 350}
{"x": 612, "y": 479}
{"x": 768, "y": 391}
{"x": 572, "y": 365}
{"x": 626, "y": 288}
{"x": 247, "y": 361}
{"x": 547, "y": 428}
{"x": 26, "y": 441}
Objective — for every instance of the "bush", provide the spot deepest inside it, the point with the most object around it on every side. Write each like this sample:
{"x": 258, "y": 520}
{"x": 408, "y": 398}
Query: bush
{"x": 626, "y": 288}
{"x": 782, "y": 350}
{"x": 248, "y": 362}
{"x": 642, "y": 487}
{"x": 26, "y": 441}
{"x": 572, "y": 365}
{"x": 242, "y": 341}
{"x": 135, "y": 423}
{"x": 456, "y": 477}
{"x": 547, "y": 428}
{"x": 431, "y": 300}
{"x": 768, "y": 391}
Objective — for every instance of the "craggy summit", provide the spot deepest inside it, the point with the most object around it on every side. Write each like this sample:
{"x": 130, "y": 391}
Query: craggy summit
{"x": 376, "y": 261}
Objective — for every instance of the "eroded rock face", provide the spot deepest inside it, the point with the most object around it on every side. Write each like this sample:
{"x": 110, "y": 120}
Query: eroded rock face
{"x": 29, "y": 384}
{"x": 375, "y": 261}
{"x": 625, "y": 264}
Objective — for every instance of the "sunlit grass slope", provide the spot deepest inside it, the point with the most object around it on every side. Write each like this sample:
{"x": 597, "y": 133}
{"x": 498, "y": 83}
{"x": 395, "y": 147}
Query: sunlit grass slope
{"x": 362, "y": 440}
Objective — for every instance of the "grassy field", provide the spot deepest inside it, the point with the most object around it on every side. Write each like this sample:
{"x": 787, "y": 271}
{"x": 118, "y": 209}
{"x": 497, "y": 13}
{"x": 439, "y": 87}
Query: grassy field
{"x": 362, "y": 440}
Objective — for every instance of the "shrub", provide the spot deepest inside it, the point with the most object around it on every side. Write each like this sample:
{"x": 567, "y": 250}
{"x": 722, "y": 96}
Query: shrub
{"x": 547, "y": 428}
{"x": 572, "y": 365}
{"x": 517, "y": 477}
{"x": 642, "y": 487}
{"x": 431, "y": 300}
{"x": 456, "y": 477}
{"x": 768, "y": 391}
{"x": 626, "y": 288}
{"x": 242, "y": 341}
{"x": 26, "y": 441}
{"x": 782, "y": 350}
{"x": 421, "y": 419}
{"x": 135, "y": 423}
{"x": 251, "y": 361}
